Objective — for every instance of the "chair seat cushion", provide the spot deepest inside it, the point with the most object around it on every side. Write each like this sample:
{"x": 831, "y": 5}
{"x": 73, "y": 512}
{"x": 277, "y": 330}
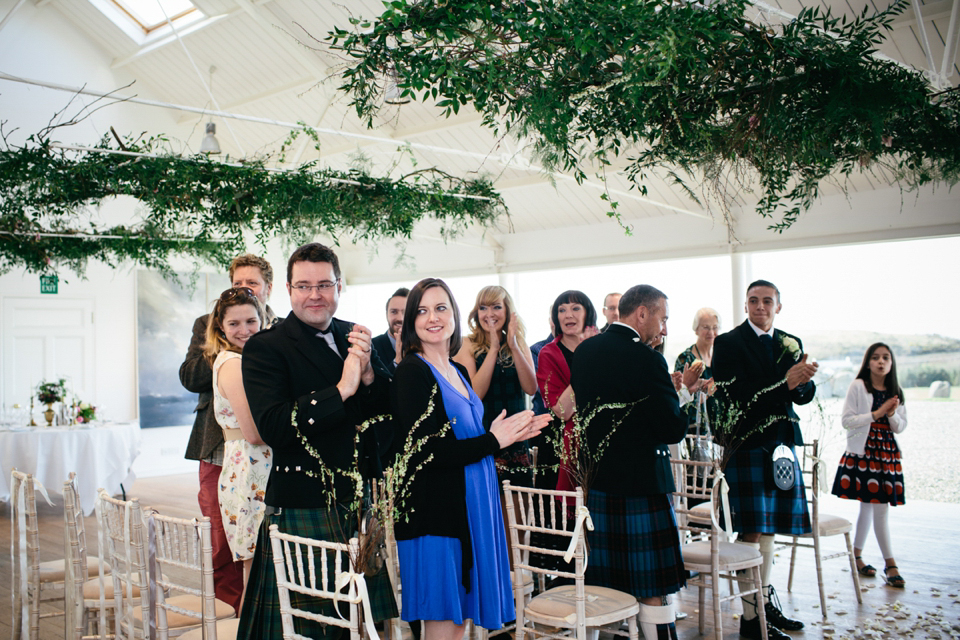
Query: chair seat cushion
{"x": 560, "y": 603}
{"x": 226, "y": 630}
{"x": 54, "y": 571}
{"x": 527, "y": 582}
{"x": 190, "y": 603}
{"x": 91, "y": 590}
{"x": 729, "y": 553}
{"x": 700, "y": 513}
{"x": 833, "y": 525}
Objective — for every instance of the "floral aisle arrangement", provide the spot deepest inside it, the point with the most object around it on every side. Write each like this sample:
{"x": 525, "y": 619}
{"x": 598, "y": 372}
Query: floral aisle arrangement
{"x": 710, "y": 93}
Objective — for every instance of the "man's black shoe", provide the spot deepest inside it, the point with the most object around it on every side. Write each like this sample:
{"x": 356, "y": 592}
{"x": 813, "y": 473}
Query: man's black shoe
{"x": 775, "y": 614}
{"x": 751, "y": 629}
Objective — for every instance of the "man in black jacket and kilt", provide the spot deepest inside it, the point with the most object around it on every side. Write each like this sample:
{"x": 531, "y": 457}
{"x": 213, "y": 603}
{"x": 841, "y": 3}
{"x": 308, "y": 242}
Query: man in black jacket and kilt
{"x": 762, "y": 372}
{"x": 635, "y": 527}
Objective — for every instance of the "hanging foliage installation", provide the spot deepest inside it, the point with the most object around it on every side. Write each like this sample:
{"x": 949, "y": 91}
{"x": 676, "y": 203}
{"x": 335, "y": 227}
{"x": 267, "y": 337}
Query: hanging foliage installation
{"x": 697, "y": 89}
{"x": 200, "y": 208}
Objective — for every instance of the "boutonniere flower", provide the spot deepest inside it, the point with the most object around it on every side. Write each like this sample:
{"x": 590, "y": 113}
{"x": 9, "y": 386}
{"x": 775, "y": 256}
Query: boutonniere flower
{"x": 636, "y": 339}
{"x": 791, "y": 346}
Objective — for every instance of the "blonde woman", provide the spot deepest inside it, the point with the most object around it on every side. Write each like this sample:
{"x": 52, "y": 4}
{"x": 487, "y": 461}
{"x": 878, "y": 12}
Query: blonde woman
{"x": 501, "y": 370}
{"x": 236, "y": 316}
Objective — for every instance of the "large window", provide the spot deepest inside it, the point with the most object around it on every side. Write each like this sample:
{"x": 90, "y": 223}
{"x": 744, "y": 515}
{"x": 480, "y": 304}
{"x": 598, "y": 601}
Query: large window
{"x": 149, "y": 14}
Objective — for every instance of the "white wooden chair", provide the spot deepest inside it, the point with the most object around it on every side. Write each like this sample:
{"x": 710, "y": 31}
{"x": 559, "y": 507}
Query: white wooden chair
{"x": 575, "y": 607}
{"x": 713, "y": 558}
{"x": 183, "y": 569}
{"x": 823, "y": 525}
{"x": 322, "y": 570}
{"x": 123, "y": 540}
{"x": 82, "y": 594}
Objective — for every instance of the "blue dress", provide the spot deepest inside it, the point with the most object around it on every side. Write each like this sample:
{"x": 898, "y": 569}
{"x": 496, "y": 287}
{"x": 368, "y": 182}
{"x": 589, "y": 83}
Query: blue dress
{"x": 430, "y": 566}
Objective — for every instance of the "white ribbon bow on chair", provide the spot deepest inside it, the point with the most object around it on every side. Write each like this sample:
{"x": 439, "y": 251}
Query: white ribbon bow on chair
{"x": 720, "y": 486}
{"x": 821, "y": 472}
{"x": 583, "y": 515}
{"x": 361, "y": 584}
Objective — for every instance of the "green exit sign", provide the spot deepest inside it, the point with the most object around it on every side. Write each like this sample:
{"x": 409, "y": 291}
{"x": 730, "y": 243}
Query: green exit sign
{"x": 48, "y": 284}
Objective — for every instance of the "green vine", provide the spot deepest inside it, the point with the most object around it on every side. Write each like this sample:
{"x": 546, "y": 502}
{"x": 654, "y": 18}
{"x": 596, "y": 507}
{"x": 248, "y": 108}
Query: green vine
{"x": 199, "y": 208}
{"x": 702, "y": 93}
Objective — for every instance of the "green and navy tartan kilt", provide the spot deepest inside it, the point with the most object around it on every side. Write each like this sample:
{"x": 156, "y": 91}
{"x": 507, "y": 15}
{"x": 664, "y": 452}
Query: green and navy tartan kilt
{"x": 757, "y": 505}
{"x": 634, "y": 546}
{"x": 260, "y": 616}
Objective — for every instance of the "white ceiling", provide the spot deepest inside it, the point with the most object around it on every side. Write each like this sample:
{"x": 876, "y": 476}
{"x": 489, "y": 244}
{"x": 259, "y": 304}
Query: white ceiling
{"x": 268, "y": 66}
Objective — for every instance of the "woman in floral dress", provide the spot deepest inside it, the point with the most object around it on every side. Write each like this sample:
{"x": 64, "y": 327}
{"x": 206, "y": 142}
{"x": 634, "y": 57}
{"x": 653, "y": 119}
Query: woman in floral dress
{"x": 236, "y": 316}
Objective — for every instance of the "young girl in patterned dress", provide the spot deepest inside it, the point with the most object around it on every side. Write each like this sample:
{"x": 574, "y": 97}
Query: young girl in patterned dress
{"x": 236, "y": 316}
{"x": 870, "y": 469}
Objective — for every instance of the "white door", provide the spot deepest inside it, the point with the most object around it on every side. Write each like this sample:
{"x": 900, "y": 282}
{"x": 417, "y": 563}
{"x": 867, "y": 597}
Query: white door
{"x": 47, "y": 339}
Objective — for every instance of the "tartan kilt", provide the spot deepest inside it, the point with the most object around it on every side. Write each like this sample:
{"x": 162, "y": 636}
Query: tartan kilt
{"x": 757, "y": 505}
{"x": 260, "y": 616}
{"x": 635, "y": 546}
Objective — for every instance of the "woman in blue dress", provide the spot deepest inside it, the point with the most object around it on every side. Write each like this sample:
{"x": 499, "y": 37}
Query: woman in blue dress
{"x": 449, "y": 527}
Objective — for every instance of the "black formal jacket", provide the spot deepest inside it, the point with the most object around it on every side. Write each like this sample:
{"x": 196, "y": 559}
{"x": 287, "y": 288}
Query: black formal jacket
{"x": 288, "y": 366}
{"x": 435, "y": 502}
{"x": 743, "y": 367}
{"x": 616, "y": 367}
{"x": 385, "y": 351}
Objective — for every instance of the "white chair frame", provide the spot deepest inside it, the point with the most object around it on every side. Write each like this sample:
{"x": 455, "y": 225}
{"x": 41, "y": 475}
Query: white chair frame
{"x": 547, "y": 512}
{"x": 83, "y": 614}
{"x": 822, "y": 526}
{"x": 714, "y": 558}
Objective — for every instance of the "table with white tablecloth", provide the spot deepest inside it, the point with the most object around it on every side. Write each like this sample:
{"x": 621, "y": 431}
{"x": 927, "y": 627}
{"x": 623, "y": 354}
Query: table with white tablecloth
{"x": 101, "y": 454}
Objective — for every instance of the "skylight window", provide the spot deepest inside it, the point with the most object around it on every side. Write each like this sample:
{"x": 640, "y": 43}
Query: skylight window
{"x": 149, "y": 14}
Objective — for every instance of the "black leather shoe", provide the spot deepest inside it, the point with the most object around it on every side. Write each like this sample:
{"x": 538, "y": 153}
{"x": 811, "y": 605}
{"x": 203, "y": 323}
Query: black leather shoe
{"x": 775, "y": 614}
{"x": 751, "y": 629}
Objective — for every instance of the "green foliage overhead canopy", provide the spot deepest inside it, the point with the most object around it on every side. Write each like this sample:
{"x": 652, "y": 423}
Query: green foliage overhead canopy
{"x": 675, "y": 85}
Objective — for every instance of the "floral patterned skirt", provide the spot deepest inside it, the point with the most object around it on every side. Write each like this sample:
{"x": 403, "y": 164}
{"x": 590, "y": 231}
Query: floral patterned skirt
{"x": 241, "y": 490}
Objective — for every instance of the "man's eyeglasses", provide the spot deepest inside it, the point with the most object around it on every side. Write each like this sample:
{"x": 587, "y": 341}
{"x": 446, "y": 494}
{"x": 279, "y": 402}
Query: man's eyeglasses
{"x": 307, "y": 288}
{"x": 236, "y": 292}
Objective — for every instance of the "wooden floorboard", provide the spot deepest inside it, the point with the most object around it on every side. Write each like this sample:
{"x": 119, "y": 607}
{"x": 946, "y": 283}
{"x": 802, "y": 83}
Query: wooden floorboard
{"x": 924, "y": 538}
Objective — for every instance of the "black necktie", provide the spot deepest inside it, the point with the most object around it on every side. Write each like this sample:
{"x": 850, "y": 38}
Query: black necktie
{"x": 767, "y": 341}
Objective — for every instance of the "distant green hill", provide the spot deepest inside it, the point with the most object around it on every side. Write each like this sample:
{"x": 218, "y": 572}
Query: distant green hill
{"x": 829, "y": 345}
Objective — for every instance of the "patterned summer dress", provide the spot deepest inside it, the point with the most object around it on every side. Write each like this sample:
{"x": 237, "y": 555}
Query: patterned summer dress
{"x": 877, "y": 475}
{"x": 243, "y": 481}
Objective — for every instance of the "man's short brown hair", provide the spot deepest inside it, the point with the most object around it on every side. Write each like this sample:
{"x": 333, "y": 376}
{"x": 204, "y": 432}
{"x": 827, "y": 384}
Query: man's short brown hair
{"x": 251, "y": 260}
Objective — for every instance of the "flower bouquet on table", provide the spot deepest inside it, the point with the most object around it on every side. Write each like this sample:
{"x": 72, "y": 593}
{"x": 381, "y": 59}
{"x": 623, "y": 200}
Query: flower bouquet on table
{"x": 50, "y": 392}
{"x": 85, "y": 412}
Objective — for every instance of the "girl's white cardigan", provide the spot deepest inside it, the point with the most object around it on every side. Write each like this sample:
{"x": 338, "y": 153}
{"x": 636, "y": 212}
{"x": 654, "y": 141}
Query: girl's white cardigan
{"x": 857, "y": 417}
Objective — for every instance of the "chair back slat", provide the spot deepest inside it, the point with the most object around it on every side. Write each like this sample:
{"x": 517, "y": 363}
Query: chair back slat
{"x": 299, "y": 562}
{"x": 123, "y": 538}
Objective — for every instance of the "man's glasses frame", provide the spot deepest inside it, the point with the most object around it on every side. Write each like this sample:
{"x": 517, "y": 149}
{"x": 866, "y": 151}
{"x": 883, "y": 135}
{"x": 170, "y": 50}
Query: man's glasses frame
{"x": 308, "y": 288}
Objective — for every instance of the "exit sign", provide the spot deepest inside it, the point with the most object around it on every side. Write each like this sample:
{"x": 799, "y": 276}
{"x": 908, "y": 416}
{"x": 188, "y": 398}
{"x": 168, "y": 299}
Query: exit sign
{"x": 48, "y": 284}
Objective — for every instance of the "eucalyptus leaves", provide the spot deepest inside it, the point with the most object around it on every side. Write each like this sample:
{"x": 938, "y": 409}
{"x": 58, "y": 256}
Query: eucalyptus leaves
{"x": 678, "y": 86}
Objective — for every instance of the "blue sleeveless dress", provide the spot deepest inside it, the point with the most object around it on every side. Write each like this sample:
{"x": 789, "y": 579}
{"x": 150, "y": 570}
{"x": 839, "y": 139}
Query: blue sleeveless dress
{"x": 430, "y": 566}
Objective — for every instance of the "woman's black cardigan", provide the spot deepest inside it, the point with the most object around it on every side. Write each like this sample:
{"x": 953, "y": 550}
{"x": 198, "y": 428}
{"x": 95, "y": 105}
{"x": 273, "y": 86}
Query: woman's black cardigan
{"x": 435, "y": 501}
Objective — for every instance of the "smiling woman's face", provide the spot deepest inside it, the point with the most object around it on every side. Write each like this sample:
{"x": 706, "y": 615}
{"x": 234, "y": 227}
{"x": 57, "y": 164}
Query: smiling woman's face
{"x": 435, "y": 323}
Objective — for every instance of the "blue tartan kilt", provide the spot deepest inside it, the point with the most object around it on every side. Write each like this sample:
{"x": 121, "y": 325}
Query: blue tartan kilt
{"x": 635, "y": 546}
{"x": 260, "y": 616}
{"x": 757, "y": 505}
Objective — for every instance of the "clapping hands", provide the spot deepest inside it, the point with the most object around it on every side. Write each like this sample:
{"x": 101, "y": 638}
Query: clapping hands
{"x": 520, "y": 426}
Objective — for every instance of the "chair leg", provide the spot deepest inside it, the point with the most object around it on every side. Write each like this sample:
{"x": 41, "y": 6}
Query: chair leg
{"x": 823, "y": 596}
{"x": 793, "y": 560}
{"x": 761, "y": 605}
{"x": 717, "y": 614}
{"x": 702, "y": 593}
{"x": 853, "y": 568}
{"x": 632, "y": 628}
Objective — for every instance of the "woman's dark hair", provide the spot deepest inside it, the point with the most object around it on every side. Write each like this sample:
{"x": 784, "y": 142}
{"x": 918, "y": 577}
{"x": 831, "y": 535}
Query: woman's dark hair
{"x": 409, "y": 340}
{"x": 578, "y": 297}
{"x": 890, "y": 382}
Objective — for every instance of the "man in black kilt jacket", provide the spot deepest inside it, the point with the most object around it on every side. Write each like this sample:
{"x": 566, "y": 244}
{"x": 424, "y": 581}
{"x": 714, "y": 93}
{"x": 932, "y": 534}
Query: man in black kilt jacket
{"x": 762, "y": 372}
{"x": 326, "y": 370}
{"x": 629, "y": 495}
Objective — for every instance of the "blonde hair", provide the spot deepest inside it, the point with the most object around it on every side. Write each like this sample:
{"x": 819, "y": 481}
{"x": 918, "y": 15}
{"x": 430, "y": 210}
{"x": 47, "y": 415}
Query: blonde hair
{"x": 478, "y": 336}
{"x": 706, "y": 311}
{"x": 216, "y": 340}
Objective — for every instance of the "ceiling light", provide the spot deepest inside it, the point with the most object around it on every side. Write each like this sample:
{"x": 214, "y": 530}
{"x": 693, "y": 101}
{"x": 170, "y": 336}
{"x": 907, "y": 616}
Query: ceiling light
{"x": 210, "y": 146}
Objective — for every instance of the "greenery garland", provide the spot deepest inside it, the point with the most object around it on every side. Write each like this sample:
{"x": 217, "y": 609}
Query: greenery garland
{"x": 668, "y": 85}
{"x": 199, "y": 208}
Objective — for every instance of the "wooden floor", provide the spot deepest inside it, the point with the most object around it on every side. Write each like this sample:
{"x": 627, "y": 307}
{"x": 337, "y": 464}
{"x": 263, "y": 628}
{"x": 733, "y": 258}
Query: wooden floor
{"x": 926, "y": 538}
